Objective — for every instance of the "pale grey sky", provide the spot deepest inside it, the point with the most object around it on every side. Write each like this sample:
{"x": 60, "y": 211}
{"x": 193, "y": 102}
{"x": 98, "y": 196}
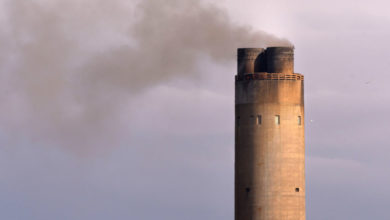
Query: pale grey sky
{"x": 90, "y": 129}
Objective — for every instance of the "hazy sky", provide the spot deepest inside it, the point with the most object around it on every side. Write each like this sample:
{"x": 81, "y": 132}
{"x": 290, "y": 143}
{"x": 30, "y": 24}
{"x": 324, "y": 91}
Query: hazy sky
{"x": 124, "y": 109}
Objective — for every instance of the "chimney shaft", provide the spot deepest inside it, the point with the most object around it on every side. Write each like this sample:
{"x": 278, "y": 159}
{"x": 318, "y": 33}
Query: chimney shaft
{"x": 280, "y": 59}
{"x": 269, "y": 136}
{"x": 250, "y": 60}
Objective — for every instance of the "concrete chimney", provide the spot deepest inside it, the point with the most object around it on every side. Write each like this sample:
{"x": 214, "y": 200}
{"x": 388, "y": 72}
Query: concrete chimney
{"x": 269, "y": 136}
{"x": 280, "y": 60}
{"x": 251, "y": 60}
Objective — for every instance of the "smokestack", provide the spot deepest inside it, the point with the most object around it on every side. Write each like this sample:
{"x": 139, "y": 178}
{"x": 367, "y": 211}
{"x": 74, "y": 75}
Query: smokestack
{"x": 269, "y": 136}
{"x": 250, "y": 60}
{"x": 280, "y": 60}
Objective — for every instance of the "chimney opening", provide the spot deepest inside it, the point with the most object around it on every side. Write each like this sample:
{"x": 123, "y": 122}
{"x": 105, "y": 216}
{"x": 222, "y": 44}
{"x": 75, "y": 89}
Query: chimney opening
{"x": 277, "y": 119}
{"x": 259, "y": 119}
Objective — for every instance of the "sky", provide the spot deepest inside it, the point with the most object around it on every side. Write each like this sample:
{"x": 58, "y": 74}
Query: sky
{"x": 125, "y": 109}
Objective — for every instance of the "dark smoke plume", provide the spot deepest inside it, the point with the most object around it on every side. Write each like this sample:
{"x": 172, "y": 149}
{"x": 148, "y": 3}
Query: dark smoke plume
{"x": 66, "y": 65}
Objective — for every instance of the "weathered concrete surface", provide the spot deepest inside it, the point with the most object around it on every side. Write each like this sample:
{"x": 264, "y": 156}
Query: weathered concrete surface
{"x": 270, "y": 157}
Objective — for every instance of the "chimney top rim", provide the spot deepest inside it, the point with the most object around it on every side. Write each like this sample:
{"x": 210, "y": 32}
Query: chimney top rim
{"x": 281, "y": 47}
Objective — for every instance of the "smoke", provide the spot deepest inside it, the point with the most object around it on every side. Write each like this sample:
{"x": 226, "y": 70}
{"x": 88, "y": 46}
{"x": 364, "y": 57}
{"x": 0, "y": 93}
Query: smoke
{"x": 66, "y": 66}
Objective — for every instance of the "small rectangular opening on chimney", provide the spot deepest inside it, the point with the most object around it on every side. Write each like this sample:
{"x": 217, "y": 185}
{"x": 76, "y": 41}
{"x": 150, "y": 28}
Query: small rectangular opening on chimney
{"x": 277, "y": 119}
{"x": 259, "y": 119}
